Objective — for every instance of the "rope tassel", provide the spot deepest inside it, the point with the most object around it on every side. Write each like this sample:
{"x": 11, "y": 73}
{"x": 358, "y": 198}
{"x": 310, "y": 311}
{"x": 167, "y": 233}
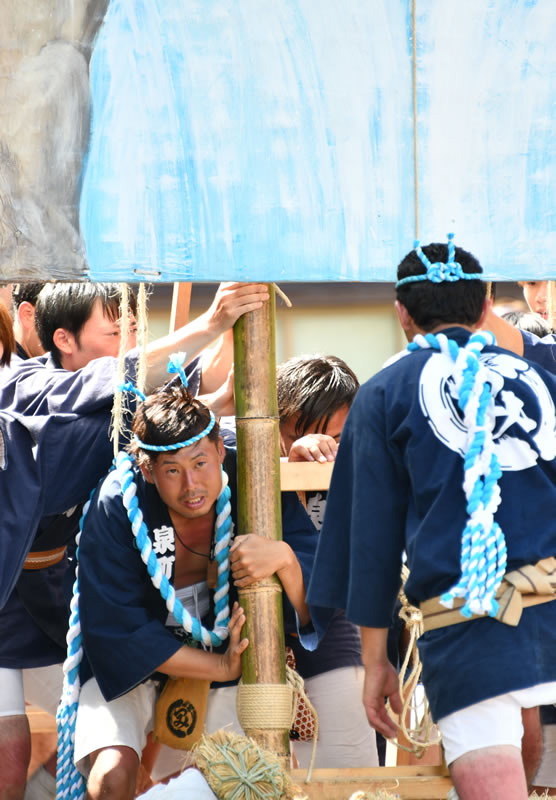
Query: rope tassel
{"x": 483, "y": 556}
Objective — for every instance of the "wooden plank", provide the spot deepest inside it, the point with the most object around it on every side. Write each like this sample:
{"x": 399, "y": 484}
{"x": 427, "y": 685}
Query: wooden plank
{"x": 181, "y": 298}
{"x": 407, "y": 783}
{"x": 309, "y": 476}
{"x": 43, "y": 737}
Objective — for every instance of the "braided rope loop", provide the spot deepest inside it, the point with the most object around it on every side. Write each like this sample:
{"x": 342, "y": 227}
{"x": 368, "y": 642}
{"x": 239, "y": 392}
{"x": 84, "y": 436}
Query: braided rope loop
{"x": 162, "y": 448}
{"x": 70, "y": 784}
{"x": 483, "y": 555}
{"x": 223, "y": 527}
{"x": 439, "y": 271}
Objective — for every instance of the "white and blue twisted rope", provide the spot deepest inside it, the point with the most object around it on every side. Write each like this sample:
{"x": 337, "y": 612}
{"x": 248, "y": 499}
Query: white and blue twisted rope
{"x": 162, "y": 448}
{"x": 483, "y": 547}
{"x": 223, "y": 527}
{"x": 70, "y": 784}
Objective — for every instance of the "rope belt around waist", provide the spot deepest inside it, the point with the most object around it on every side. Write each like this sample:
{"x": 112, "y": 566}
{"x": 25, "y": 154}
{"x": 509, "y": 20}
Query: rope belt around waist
{"x": 39, "y": 559}
{"x": 529, "y": 585}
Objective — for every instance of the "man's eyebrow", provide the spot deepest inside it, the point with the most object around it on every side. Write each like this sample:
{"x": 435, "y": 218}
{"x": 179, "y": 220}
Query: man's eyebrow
{"x": 172, "y": 460}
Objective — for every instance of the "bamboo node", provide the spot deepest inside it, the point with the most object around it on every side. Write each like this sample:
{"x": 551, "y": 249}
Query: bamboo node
{"x": 261, "y": 587}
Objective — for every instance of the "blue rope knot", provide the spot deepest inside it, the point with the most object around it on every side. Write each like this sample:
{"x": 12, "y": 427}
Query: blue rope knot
{"x": 483, "y": 553}
{"x": 175, "y": 367}
{"x": 439, "y": 271}
{"x": 130, "y": 387}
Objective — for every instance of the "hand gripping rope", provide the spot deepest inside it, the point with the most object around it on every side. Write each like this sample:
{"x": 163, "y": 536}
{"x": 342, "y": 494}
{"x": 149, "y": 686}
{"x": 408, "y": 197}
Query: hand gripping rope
{"x": 483, "y": 547}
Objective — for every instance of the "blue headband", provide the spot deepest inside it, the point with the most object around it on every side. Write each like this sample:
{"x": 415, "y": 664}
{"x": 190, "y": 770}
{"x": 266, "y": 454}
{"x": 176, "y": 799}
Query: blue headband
{"x": 437, "y": 273}
{"x": 174, "y": 367}
{"x": 159, "y": 448}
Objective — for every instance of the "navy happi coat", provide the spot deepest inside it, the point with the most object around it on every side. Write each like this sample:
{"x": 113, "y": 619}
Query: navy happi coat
{"x": 397, "y": 486}
{"x": 54, "y": 448}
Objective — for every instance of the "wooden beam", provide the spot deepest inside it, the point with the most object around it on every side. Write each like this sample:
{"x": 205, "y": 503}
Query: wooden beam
{"x": 43, "y": 737}
{"x": 181, "y": 298}
{"x": 407, "y": 783}
{"x": 309, "y": 476}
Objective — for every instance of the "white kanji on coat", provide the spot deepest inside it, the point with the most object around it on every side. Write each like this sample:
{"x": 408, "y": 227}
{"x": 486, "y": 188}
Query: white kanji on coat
{"x": 164, "y": 540}
{"x": 167, "y": 565}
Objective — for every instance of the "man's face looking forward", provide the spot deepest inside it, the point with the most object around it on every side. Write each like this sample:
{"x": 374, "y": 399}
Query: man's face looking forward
{"x": 188, "y": 480}
{"x": 536, "y": 297}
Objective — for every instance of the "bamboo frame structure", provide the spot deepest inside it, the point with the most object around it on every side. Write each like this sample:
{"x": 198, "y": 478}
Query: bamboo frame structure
{"x": 261, "y": 478}
{"x": 259, "y": 508}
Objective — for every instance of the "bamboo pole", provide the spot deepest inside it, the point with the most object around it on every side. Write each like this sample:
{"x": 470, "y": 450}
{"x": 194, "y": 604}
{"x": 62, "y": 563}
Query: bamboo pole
{"x": 259, "y": 508}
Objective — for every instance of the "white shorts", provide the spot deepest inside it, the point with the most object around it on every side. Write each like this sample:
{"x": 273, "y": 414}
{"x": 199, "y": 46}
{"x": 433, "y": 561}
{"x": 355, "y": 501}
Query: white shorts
{"x": 345, "y": 737}
{"x": 127, "y": 720}
{"x": 493, "y": 722}
{"x": 546, "y": 774}
{"x": 40, "y": 686}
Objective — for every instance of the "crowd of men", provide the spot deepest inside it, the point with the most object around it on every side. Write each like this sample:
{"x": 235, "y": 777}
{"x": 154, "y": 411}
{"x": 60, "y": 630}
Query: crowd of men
{"x": 434, "y": 456}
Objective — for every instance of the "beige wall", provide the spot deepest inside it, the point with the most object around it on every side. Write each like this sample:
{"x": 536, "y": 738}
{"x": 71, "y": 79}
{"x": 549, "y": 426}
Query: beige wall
{"x": 364, "y": 336}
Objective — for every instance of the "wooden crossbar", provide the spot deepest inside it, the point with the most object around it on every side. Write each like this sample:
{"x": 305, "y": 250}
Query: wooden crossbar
{"x": 308, "y": 476}
{"x": 407, "y": 783}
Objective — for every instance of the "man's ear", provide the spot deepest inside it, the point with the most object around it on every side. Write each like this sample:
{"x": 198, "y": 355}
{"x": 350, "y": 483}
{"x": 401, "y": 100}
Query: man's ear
{"x": 64, "y": 341}
{"x": 406, "y": 320}
{"x": 146, "y": 472}
{"x": 221, "y": 449}
{"x": 487, "y": 305}
{"x": 26, "y": 315}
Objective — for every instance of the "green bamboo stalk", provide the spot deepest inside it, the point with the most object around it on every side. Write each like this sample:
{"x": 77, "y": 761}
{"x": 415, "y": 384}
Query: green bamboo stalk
{"x": 259, "y": 507}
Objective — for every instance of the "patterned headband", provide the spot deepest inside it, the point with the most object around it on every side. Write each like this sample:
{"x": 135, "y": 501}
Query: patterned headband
{"x": 436, "y": 273}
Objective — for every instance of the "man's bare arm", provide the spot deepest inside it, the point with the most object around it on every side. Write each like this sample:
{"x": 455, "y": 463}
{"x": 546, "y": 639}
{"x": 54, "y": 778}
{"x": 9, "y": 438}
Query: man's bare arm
{"x": 507, "y": 336}
{"x": 231, "y": 301}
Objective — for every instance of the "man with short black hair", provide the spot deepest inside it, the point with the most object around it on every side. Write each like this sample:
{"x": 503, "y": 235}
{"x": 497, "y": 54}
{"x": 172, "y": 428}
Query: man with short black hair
{"x": 24, "y": 300}
{"x": 397, "y": 486}
{"x": 315, "y": 393}
{"x": 314, "y": 396}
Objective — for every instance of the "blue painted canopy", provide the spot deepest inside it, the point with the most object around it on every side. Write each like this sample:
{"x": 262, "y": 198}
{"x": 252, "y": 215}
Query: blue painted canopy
{"x": 275, "y": 141}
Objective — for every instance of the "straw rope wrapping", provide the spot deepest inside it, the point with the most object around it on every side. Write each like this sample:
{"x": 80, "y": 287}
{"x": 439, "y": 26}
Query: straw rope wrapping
{"x": 70, "y": 784}
{"x": 142, "y": 336}
{"x": 483, "y": 547}
{"x": 273, "y": 706}
{"x": 223, "y": 528}
{"x": 415, "y": 720}
{"x": 236, "y": 768}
